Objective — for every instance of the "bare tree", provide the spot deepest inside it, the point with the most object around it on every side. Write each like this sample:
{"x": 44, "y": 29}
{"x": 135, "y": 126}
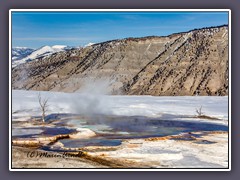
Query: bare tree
{"x": 199, "y": 111}
{"x": 43, "y": 104}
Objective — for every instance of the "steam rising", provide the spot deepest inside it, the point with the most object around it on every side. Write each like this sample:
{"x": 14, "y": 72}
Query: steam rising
{"x": 96, "y": 86}
{"x": 93, "y": 97}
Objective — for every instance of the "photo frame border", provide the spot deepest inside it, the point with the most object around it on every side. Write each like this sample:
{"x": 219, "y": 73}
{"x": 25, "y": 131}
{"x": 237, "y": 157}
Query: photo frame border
{"x": 117, "y": 169}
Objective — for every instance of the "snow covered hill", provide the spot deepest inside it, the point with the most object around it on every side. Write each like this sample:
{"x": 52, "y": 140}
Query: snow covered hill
{"x": 34, "y": 54}
{"x": 89, "y": 44}
{"x": 20, "y": 52}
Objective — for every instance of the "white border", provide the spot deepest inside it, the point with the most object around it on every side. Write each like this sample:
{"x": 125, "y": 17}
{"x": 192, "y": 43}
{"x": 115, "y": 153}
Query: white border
{"x": 117, "y": 10}
{"x": 229, "y": 89}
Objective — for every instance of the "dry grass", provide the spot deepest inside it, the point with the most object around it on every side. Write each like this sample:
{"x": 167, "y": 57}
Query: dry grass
{"x": 206, "y": 117}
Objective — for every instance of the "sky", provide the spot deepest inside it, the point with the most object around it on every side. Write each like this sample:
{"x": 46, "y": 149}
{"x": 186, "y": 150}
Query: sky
{"x": 36, "y": 29}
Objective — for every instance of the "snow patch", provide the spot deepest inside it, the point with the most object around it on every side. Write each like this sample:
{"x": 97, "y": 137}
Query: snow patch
{"x": 89, "y": 44}
{"x": 83, "y": 133}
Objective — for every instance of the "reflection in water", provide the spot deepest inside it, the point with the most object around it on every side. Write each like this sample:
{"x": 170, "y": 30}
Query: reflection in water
{"x": 41, "y": 131}
{"x": 112, "y": 129}
{"x": 72, "y": 143}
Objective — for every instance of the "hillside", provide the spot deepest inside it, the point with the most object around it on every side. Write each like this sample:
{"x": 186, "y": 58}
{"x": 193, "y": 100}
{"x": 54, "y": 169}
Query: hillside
{"x": 188, "y": 63}
{"x": 20, "y": 53}
{"x": 28, "y": 54}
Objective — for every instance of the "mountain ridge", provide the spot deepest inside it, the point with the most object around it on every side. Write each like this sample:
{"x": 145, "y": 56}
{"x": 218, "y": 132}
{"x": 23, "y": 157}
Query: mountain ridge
{"x": 32, "y": 54}
{"x": 186, "y": 63}
{"x": 20, "y": 52}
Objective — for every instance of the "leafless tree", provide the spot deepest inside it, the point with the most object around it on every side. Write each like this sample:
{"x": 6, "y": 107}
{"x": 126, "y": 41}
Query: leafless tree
{"x": 199, "y": 111}
{"x": 43, "y": 104}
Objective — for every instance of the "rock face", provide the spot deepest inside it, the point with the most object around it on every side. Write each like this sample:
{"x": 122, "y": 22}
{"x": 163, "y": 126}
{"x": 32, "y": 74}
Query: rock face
{"x": 189, "y": 63}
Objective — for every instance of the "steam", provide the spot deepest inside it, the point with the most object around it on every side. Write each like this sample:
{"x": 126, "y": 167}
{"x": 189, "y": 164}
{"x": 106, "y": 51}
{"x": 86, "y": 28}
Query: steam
{"x": 93, "y": 99}
{"x": 22, "y": 76}
{"x": 93, "y": 102}
{"x": 95, "y": 86}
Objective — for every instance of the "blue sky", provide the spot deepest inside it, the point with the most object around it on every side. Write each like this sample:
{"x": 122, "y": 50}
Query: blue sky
{"x": 36, "y": 29}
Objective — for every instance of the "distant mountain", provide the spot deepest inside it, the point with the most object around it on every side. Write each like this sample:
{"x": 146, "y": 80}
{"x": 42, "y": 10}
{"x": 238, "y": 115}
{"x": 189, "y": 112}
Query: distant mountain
{"x": 30, "y": 54}
{"x": 89, "y": 44}
{"x": 187, "y": 63}
{"x": 20, "y": 52}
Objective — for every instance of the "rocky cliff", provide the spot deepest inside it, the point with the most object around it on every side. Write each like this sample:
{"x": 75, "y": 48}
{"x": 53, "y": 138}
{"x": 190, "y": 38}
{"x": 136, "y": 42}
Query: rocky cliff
{"x": 189, "y": 63}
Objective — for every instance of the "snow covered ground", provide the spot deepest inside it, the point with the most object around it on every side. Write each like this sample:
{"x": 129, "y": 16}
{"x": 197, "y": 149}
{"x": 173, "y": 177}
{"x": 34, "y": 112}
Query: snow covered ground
{"x": 168, "y": 153}
{"x": 25, "y": 103}
{"x": 208, "y": 149}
